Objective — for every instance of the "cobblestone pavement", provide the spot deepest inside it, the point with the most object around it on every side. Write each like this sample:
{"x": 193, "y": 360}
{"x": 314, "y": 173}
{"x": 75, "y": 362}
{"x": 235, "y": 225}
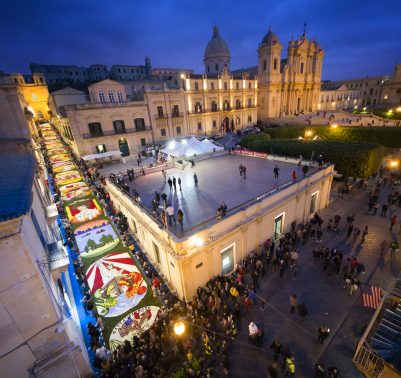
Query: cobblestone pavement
{"x": 326, "y": 301}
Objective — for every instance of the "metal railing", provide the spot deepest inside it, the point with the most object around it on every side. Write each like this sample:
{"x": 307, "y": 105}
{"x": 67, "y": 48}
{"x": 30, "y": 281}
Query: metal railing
{"x": 368, "y": 362}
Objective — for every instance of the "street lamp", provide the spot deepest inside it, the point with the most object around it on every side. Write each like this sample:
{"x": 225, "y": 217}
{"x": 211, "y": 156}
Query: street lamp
{"x": 179, "y": 328}
{"x": 308, "y": 133}
{"x": 399, "y": 109}
{"x": 334, "y": 126}
{"x": 394, "y": 163}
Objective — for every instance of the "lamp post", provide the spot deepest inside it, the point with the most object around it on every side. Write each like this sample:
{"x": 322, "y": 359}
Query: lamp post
{"x": 308, "y": 133}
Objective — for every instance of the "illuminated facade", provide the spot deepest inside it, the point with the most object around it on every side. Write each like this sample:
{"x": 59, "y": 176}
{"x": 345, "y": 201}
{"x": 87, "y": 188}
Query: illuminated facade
{"x": 292, "y": 85}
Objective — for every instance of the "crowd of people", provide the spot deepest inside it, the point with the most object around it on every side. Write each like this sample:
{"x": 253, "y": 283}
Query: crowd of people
{"x": 213, "y": 316}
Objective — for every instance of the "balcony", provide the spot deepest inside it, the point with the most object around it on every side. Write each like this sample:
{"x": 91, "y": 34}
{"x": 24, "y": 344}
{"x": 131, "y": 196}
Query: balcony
{"x": 114, "y": 132}
{"x": 161, "y": 116}
{"x": 176, "y": 115}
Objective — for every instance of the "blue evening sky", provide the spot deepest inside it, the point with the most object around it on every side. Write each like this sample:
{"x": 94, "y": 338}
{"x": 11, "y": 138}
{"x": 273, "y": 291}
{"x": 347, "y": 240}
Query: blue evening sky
{"x": 359, "y": 37}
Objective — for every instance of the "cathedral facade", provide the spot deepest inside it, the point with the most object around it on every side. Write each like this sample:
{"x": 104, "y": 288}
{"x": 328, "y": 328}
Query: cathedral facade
{"x": 292, "y": 85}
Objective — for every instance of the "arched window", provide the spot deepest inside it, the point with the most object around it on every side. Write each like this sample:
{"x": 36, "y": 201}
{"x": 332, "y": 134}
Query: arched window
{"x": 208, "y": 69}
{"x": 264, "y": 65}
{"x": 249, "y": 119}
{"x": 237, "y": 121}
{"x": 275, "y": 64}
{"x": 111, "y": 96}
{"x": 102, "y": 99}
{"x": 302, "y": 67}
{"x": 120, "y": 96}
{"x": 217, "y": 67}
{"x": 238, "y": 104}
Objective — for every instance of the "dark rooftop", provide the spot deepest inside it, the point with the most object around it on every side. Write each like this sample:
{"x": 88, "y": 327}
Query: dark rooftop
{"x": 219, "y": 181}
{"x": 17, "y": 170}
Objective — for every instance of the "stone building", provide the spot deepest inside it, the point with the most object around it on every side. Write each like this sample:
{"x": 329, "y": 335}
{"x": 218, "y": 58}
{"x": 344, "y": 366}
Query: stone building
{"x": 391, "y": 90}
{"x": 209, "y": 244}
{"x": 37, "y": 337}
{"x": 291, "y": 85}
{"x": 337, "y": 95}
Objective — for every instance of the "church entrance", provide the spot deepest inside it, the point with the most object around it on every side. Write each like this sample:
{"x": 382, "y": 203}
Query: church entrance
{"x": 123, "y": 146}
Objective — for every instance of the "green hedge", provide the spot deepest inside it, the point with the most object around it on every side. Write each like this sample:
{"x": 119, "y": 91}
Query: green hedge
{"x": 387, "y": 136}
{"x": 350, "y": 159}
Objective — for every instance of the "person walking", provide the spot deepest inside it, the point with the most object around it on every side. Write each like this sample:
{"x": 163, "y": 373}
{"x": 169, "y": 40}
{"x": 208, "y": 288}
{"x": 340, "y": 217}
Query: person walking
{"x": 180, "y": 218}
{"x": 323, "y": 332}
{"x": 175, "y": 183}
{"x": 170, "y": 213}
{"x": 293, "y": 176}
{"x": 384, "y": 209}
{"x": 276, "y": 171}
{"x": 364, "y": 234}
{"x": 393, "y": 222}
{"x": 349, "y": 230}
{"x": 240, "y": 170}
{"x": 302, "y": 311}
{"x": 357, "y": 232}
{"x": 170, "y": 184}
{"x": 179, "y": 183}
{"x": 276, "y": 346}
{"x": 196, "y": 180}
{"x": 293, "y": 303}
{"x": 244, "y": 172}
{"x": 394, "y": 247}
{"x": 290, "y": 366}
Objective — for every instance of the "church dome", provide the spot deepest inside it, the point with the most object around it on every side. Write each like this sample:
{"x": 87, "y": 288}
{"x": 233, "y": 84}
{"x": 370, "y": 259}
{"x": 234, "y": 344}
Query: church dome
{"x": 217, "y": 46}
{"x": 270, "y": 38}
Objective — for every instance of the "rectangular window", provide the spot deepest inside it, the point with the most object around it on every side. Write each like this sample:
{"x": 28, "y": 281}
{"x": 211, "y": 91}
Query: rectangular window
{"x": 313, "y": 202}
{"x": 212, "y": 86}
{"x": 178, "y": 128}
{"x": 102, "y": 98}
{"x": 111, "y": 96}
{"x": 199, "y": 126}
{"x": 139, "y": 124}
{"x": 198, "y": 107}
{"x": 176, "y": 111}
{"x": 101, "y": 148}
{"x": 95, "y": 129}
{"x": 225, "y": 85}
{"x": 227, "y": 259}
{"x": 214, "y": 106}
{"x": 237, "y": 85}
{"x": 160, "y": 111}
{"x": 278, "y": 226}
{"x": 157, "y": 252}
{"x": 196, "y": 86}
{"x": 214, "y": 123}
{"x": 120, "y": 96}
{"x": 163, "y": 132}
{"x": 250, "y": 85}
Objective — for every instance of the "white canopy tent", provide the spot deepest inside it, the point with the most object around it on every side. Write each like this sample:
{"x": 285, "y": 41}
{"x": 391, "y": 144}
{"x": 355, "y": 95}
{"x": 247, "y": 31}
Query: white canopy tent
{"x": 190, "y": 147}
{"x": 102, "y": 155}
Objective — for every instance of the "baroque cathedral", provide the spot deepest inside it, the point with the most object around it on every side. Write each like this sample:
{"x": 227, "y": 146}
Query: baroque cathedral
{"x": 286, "y": 86}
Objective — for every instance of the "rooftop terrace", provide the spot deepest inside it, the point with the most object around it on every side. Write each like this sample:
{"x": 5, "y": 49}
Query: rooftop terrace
{"x": 219, "y": 180}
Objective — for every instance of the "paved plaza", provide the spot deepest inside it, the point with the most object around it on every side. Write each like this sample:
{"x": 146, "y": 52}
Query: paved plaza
{"x": 219, "y": 180}
{"x": 326, "y": 301}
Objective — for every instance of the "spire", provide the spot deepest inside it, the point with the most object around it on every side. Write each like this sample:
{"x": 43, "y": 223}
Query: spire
{"x": 215, "y": 31}
{"x": 304, "y": 34}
